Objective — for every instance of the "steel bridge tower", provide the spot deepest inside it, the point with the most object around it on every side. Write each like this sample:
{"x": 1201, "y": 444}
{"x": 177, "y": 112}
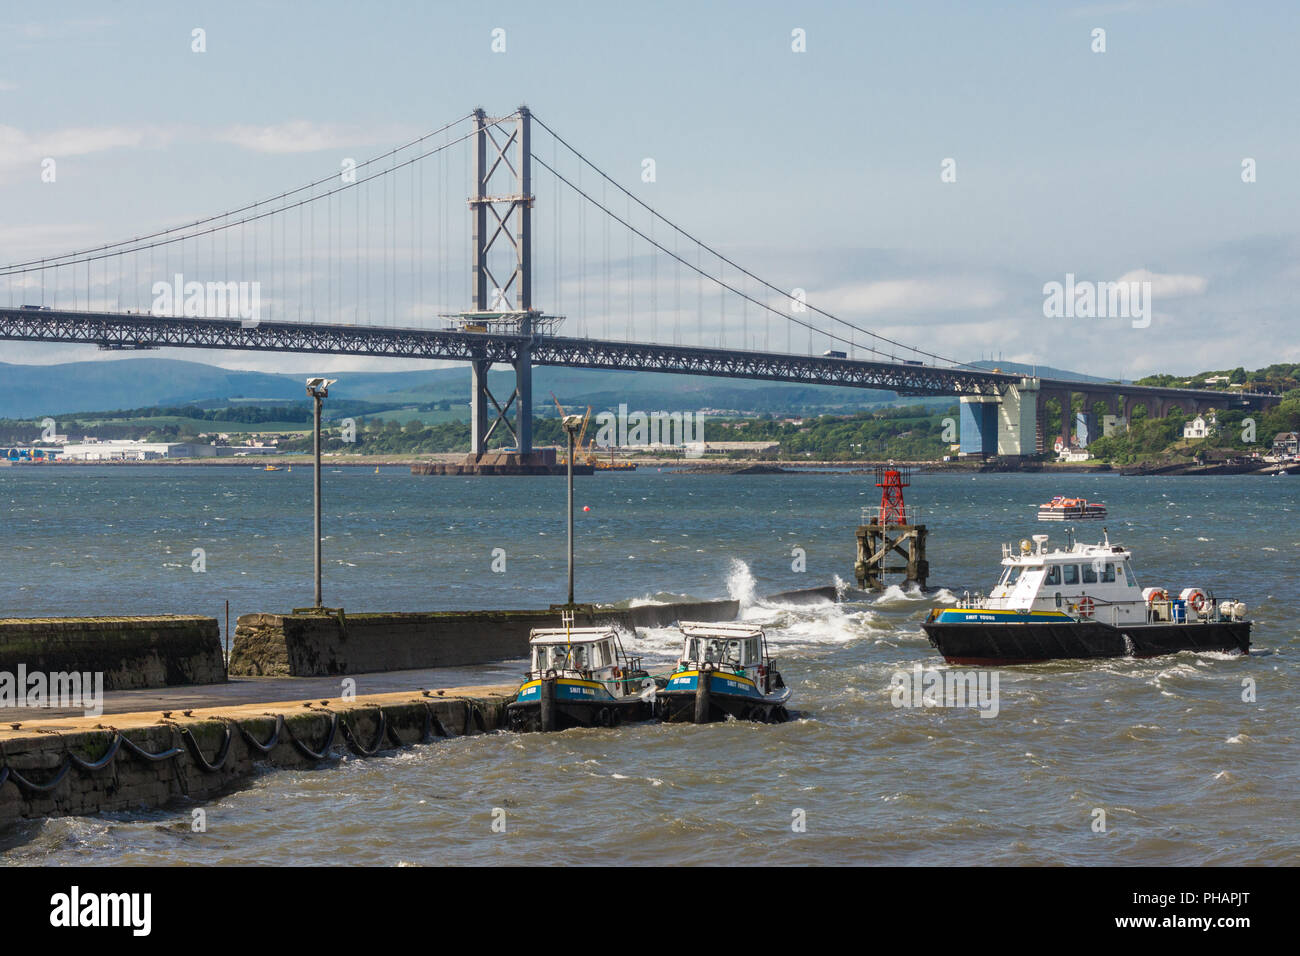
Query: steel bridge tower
{"x": 502, "y": 214}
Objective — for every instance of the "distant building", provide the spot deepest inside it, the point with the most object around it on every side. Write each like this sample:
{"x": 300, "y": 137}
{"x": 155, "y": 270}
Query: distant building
{"x": 1286, "y": 444}
{"x": 1202, "y": 426}
{"x": 715, "y": 447}
{"x": 1073, "y": 454}
{"x": 1218, "y": 380}
{"x": 1113, "y": 425}
{"x": 130, "y": 450}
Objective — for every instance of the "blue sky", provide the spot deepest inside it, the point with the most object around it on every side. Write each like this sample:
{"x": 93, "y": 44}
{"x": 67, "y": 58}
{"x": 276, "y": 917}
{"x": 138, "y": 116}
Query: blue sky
{"x": 818, "y": 169}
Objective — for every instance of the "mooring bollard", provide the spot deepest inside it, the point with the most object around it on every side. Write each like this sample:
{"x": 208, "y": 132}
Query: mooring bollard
{"x": 547, "y": 706}
{"x": 702, "y": 689}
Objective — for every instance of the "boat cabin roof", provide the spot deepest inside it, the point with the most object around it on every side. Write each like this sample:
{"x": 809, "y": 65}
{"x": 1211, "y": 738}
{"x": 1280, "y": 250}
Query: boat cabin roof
{"x": 1035, "y": 553}
{"x": 728, "y": 631}
{"x": 574, "y": 635}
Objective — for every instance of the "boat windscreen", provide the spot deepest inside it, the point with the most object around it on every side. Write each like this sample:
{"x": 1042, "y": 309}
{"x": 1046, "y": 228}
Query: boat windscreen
{"x": 722, "y": 650}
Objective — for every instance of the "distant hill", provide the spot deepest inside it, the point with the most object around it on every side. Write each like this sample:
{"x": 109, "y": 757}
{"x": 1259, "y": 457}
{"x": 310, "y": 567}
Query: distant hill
{"x": 1042, "y": 371}
{"x": 33, "y": 391}
{"x": 30, "y": 391}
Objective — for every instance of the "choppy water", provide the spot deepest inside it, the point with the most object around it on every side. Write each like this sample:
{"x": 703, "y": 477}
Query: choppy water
{"x": 1186, "y": 771}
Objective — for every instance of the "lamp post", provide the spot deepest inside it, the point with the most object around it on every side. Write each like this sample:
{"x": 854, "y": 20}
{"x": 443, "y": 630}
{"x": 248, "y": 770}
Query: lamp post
{"x": 571, "y": 425}
{"x": 318, "y": 389}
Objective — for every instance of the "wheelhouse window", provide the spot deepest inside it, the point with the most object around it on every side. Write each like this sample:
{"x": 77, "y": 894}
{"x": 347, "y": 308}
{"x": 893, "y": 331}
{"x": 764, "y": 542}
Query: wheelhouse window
{"x": 1108, "y": 573}
{"x": 1010, "y": 576}
{"x": 1089, "y": 574}
{"x": 1053, "y": 575}
{"x": 1071, "y": 573}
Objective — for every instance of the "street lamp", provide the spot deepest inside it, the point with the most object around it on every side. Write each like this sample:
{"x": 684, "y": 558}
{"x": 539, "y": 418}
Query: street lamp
{"x": 318, "y": 389}
{"x": 571, "y": 425}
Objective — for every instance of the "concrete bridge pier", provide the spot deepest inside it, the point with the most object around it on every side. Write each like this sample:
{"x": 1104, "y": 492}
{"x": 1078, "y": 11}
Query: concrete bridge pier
{"x": 1006, "y": 424}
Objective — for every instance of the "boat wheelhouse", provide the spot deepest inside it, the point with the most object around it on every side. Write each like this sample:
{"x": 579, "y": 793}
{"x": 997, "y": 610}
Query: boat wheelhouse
{"x": 580, "y": 677}
{"x": 1061, "y": 508}
{"x": 1083, "y": 601}
{"x": 725, "y": 671}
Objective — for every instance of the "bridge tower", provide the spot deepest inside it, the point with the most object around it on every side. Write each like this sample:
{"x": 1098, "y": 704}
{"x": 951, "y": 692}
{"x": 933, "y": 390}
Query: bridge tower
{"x": 502, "y": 223}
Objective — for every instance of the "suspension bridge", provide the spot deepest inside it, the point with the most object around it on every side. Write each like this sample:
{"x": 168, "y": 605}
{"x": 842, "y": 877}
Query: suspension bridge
{"x": 371, "y": 260}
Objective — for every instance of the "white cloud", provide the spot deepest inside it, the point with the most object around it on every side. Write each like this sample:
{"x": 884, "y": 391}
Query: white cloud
{"x": 1167, "y": 286}
{"x": 19, "y": 148}
{"x": 908, "y": 295}
{"x": 302, "y": 136}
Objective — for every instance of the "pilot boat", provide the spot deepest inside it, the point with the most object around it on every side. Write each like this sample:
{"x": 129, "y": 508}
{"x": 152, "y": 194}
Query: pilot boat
{"x": 1082, "y": 601}
{"x": 724, "y": 671}
{"x": 1061, "y": 508}
{"x": 580, "y": 677}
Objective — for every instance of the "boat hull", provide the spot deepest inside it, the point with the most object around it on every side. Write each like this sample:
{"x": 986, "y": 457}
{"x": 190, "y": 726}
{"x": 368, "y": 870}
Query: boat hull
{"x": 576, "y": 703}
{"x": 1069, "y": 514}
{"x": 728, "y": 696}
{"x": 980, "y": 643}
{"x": 525, "y": 717}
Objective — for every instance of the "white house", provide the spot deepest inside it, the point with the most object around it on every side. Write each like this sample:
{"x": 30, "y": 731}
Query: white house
{"x": 1202, "y": 426}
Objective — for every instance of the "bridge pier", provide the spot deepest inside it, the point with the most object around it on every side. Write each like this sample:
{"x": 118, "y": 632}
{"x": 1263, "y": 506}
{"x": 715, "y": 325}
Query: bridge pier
{"x": 478, "y": 395}
{"x": 1005, "y": 424}
{"x": 524, "y": 398}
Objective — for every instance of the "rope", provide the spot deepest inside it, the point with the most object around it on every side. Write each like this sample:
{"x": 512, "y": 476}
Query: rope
{"x": 70, "y": 760}
{"x": 267, "y": 747}
{"x": 33, "y": 787}
{"x": 88, "y": 766}
{"x": 220, "y": 756}
{"x": 139, "y": 751}
{"x": 306, "y": 751}
{"x": 356, "y": 746}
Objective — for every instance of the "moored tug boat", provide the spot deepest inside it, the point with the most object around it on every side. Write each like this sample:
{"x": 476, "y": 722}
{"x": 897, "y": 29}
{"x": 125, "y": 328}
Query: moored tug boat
{"x": 580, "y": 677}
{"x": 1080, "y": 602}
{"x": 724, "y": 671}
{"x": 1061, "y": 508}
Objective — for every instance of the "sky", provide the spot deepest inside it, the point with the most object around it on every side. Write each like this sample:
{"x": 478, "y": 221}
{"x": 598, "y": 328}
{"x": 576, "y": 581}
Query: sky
{"x": 924, "y": 170}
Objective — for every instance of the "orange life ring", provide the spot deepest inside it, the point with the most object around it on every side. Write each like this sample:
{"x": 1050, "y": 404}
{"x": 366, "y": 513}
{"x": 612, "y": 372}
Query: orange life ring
{"x": 1196, "y": 602}
{"x": 617, "y": 672}
{"x": 1157, "y": 594}
{"x": 1085, "y": 606}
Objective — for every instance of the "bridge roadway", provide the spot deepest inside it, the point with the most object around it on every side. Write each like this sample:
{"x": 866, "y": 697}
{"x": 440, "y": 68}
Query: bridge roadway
{"x": 131, "y": 331}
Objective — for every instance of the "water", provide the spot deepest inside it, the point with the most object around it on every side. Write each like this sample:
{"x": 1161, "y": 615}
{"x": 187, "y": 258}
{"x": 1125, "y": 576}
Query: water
{"x": 1186, "y": 772}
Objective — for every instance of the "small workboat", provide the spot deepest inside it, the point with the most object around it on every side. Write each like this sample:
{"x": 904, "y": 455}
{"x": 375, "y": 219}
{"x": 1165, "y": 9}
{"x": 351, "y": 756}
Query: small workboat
{"x": 580, "y": 677}
{"x": 1081, "y": 601}
{"x": 1061, "y": 508}
{"x": 724, "y": 671}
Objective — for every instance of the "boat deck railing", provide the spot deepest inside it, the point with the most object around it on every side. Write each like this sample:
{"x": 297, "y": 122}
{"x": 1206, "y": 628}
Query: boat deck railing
{"x": 1108, "y": 612}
